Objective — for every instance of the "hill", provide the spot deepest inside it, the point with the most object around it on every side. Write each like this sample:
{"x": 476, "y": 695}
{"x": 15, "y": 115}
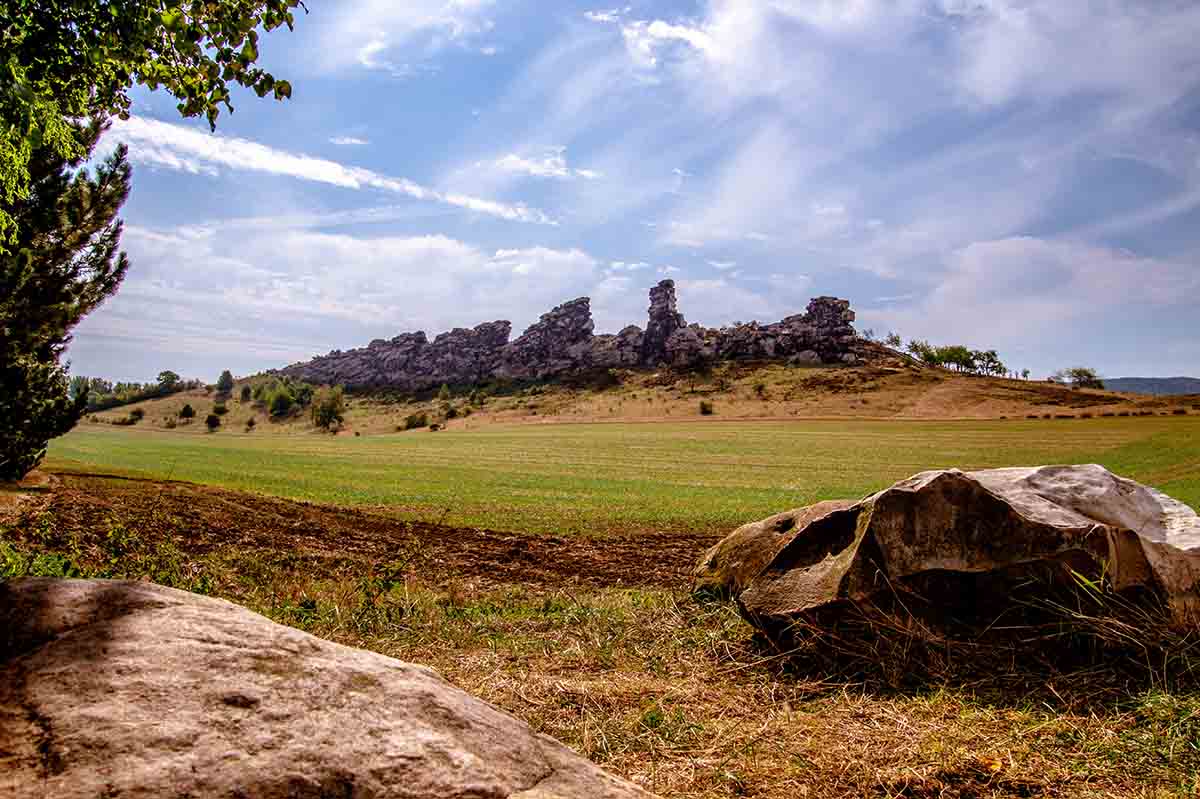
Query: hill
{"x": 887, "y": 386}
{"x": 1154, "y": 385}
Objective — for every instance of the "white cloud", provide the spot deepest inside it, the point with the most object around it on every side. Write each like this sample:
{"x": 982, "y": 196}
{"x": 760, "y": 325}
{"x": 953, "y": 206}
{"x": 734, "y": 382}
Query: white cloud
{"x": 1006, "y": 290}
{"x": 190, "y": 149}
{"x": 343, "y": 141}
{"x": 612, "y": 15}
{"x": 722, "y": 265}
{"x": 551, "y": 164}
{"x": 623, "y": 266}
{"x": 208, "y": 291}
{"x": 396, "y": 37}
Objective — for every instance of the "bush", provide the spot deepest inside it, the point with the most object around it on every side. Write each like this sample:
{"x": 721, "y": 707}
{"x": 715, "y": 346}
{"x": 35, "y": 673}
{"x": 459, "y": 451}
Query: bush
{"x": 706, "y": 408}
{"x": 760, "y": 390}
{"x": 225, "y": 382}
{"x": 137, "y": 414}
{"x": 451, "y": 412}
{"x": 250, "y": 425}
{"x": 444, "y": 393}
{"x": 212, "y": 422}
{"x": 414, "y": 421}
{"x": 1180, "y": 411}
{"x": 219, "y": 409}
{"x": 281, "y": 402}
{"x": 245, "y": 393}
{"x": 433, "y": 428}
{"x": 187, "y": 412}
{"x": 329, "y": 407}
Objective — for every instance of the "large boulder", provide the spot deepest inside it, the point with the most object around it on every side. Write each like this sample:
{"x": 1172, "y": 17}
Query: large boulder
{"x": 134, "y": 690}
{"x": 962, "y": 542}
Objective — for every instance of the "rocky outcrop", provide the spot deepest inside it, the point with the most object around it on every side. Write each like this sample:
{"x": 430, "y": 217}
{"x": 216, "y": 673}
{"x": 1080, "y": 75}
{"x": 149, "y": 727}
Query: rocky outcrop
{"x": 557, "y": 343}
{"x": 824, "y": 334}
{"x": 562, "y": 342}
{"x": 963, "y": 542}
{"x": 665, "y": 320}
{"x": 134, "y": 690}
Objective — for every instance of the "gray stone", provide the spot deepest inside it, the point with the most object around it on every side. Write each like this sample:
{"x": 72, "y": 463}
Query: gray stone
{"x": 562, "y": 342}
{"x": 962, "y": 540}
{"x": 138, "y": 691}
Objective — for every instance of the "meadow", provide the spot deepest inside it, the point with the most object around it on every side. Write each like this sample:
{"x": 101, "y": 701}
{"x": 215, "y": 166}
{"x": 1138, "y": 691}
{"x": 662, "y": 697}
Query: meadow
{"x": 627, "y": 477}
{"x": 597, "y": 640}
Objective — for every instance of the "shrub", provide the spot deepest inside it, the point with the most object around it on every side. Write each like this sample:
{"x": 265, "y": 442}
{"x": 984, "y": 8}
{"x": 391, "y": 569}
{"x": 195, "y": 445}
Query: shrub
{"x": 1122, "y": 413}
{"x": 212, "y": 422}
{"x": 225, "y": 382}
{"x": 124, "y": 421}
{"x": 250, "y": 425}
{"x": 219, "y": 409}
{"x": 414, "y": 421}
{"x": 1180, "y": 411}
{"x": 1032, "y": 416}
{"x": 137, "y": 414}
{"x": 760, "y": 390}
{"x": 170, "y": 423}
{"x": 433, "y": 428}
{"x": 245, "y": 393}
{"x": 281, "y": 402}
{"x": 444, "y": 393}
{"x": 329, "y": 407}
{"x": 187, "y": 412}
{"x": 706, "y": 408}
{"x": 1085, "y": 416}
{"x": 451, "y": 412}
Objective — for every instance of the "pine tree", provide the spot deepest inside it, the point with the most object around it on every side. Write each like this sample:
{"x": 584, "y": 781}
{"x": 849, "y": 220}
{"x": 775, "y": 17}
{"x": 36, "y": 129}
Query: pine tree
{"x": 65, "y": 262}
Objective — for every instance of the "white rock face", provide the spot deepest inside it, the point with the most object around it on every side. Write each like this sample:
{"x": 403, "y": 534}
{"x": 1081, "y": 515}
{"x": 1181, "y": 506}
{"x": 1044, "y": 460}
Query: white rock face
{"x": 133, "y": 690}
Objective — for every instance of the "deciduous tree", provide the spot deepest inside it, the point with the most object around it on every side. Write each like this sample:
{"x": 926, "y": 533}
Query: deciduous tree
{"x": 62, "y": 60}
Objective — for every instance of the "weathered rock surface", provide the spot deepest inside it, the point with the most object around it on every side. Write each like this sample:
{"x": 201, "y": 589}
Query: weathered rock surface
{"x": 728, "y": 568}
{"x": 562, "y": 342}
{"x": 962, "y": 540}
{"x": 134, "y": 690}
{"x": 665, "y": 319}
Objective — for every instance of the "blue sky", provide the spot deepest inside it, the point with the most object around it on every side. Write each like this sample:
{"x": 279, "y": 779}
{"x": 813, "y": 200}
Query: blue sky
{"x": 1016, "y": 174}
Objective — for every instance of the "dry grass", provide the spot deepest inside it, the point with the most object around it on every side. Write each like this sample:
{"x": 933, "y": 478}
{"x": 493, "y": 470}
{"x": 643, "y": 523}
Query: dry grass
{"x": 677, "y": 694}
{"x": 888, "y": 388}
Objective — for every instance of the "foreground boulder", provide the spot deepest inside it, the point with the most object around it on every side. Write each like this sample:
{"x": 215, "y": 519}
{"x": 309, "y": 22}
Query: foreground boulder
{"x": 134, "y": 690}
{"x": 960, "y": 544}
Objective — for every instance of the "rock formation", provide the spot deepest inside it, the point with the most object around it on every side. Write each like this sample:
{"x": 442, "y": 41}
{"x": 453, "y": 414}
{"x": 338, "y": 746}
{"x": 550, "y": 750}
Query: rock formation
{"x": 562, "y": 342}
{"x": 134, "y": 690}
{"x": 665, "y": 321}
{"x": 963, "y": 542}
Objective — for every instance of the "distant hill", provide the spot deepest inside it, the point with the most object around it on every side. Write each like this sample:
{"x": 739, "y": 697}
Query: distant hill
{"x": 1154, "y": 385}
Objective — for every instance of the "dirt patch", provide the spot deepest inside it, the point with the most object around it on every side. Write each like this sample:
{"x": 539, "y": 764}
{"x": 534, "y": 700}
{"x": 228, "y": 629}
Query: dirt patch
{"x": 200, "y": 519}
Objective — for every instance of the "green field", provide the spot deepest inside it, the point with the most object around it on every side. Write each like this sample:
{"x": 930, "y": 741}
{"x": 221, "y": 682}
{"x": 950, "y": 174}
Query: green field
{"x": 698, "y": 476}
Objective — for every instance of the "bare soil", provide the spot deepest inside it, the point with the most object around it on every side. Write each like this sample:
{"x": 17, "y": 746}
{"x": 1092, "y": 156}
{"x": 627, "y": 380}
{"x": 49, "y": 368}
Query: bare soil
{"x": 199, "y": 519}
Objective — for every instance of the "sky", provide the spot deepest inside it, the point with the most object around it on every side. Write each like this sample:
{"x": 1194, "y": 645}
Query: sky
{"x": 1021, "y": 175}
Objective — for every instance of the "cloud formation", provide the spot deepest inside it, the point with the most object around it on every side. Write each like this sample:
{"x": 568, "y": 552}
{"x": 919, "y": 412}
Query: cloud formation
{"x": 189, "y": 149}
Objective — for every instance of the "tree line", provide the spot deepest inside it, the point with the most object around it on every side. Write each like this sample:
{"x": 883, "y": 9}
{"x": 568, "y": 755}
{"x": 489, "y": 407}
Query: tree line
{"x": 101, "y": 394}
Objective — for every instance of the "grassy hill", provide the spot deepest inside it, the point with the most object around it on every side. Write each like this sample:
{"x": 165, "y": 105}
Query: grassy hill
{"x": 889, "y": 388}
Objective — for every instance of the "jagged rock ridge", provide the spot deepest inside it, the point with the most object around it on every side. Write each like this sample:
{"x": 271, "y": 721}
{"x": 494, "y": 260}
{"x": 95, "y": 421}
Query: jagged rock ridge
{"x": 562, "y": 342}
